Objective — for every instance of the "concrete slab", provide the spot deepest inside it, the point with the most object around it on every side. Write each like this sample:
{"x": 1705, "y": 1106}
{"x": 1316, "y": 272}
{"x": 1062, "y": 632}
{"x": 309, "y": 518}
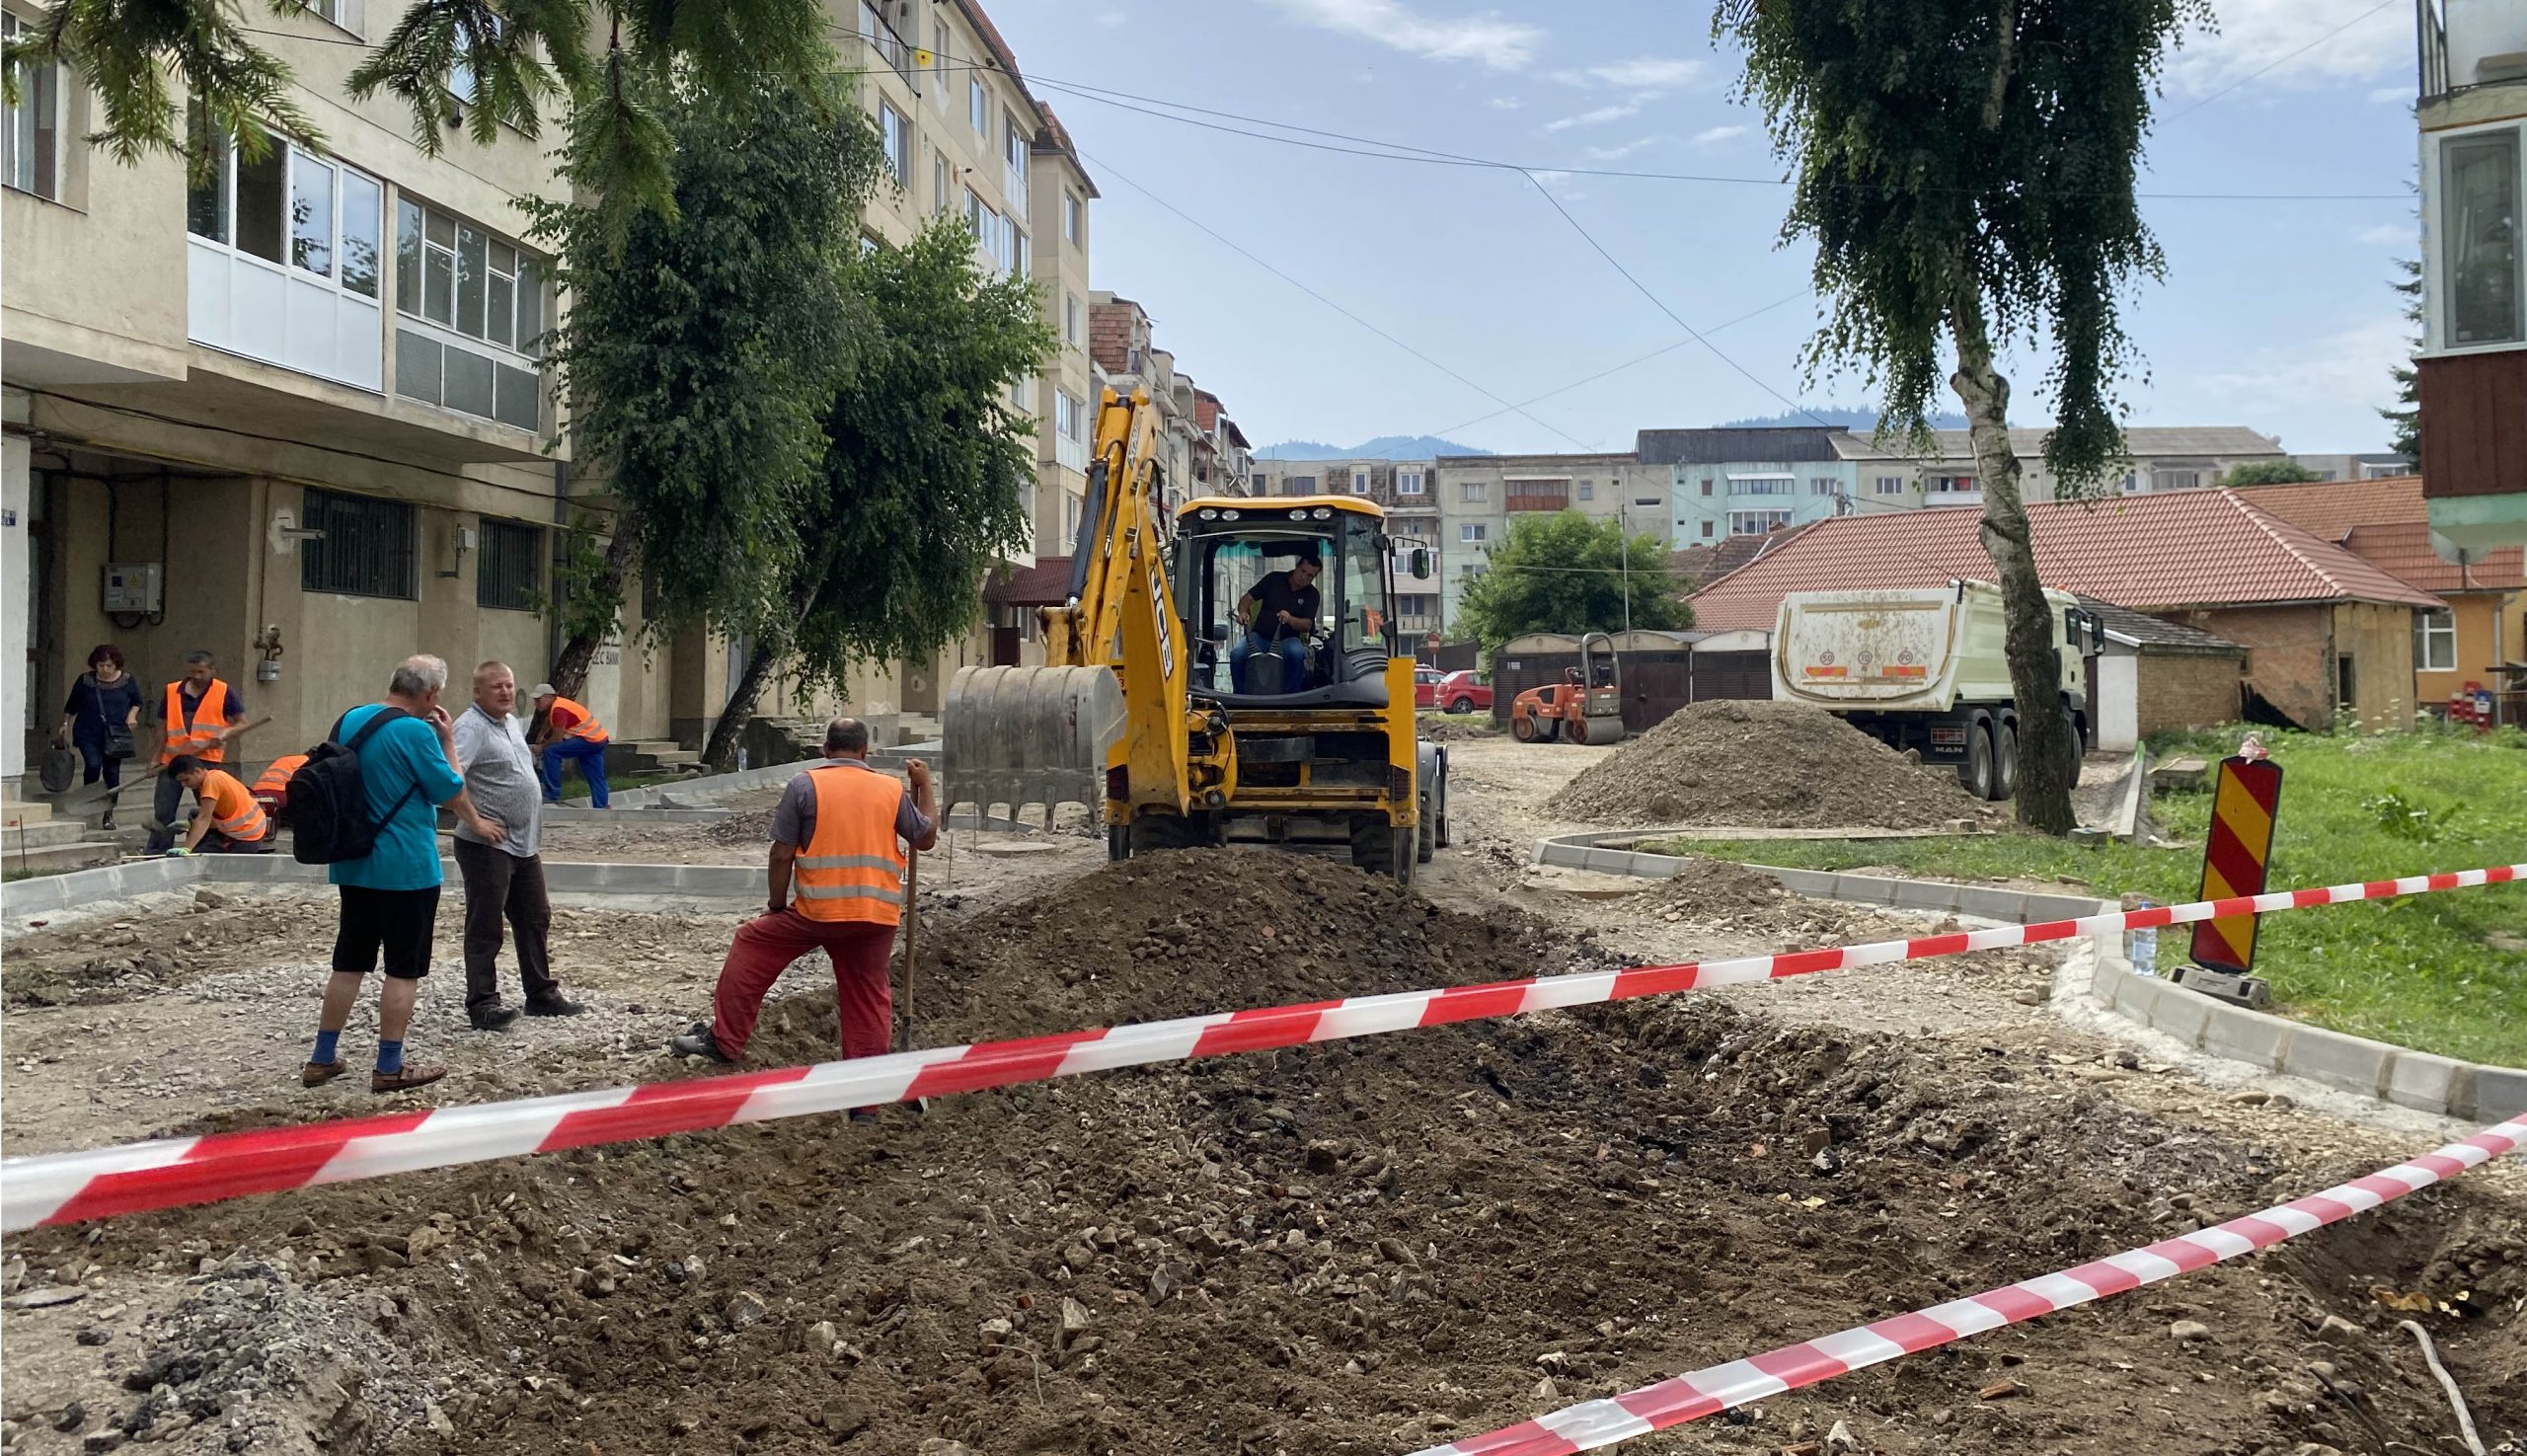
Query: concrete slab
{"x": 2353, "y": 1064}
{"x": 2182, "y": 1013}
{"x": 2498, "y": 1093}
{"x": 2138, "y": 996}
{"x": 49, "y": 893}
{"x": 2417, "y": 1079}
{"x": 2247, "y": 1037}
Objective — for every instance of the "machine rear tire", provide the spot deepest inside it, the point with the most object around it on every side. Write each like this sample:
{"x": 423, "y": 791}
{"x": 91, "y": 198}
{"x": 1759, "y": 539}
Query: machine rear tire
{"x": 1976, "y": 772}
{"x": 1425, "y": 834}
{"x": 2005, "y": 762}
{"x": 1119, "y": 843}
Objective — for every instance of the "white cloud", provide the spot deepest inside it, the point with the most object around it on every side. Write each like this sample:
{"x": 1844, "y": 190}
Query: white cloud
{"x": 1487, "y": 40}
{"x": 2253, "y": 34}
{"x": 1598, "y": 117}
{"x": 1505, "y": 103}
{"x": 1641, "y": 73}
{"x": 2390, "y": 234}
{"x": 1550, "y": 177}
{"x": 1713, "y": 136}
{"x": 1618, "y": 153}
{"x": 2320, "y": 393}
{"x": 1112, "y": 17}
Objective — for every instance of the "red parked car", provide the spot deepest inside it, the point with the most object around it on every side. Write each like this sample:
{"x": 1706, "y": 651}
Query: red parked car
{"x": 1455, "y": 692}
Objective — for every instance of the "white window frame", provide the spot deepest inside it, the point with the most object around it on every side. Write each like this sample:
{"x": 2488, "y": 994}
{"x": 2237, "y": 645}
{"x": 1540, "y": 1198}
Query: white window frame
{"x": 1074, "y": 218}
{"x": 1764, "y": 483}
{"x": 977, "y": 106}
{"x": 1889, "y": 485}
{"x": 518, "y": 354}
{"x": 1764, "y": 522}
{"x": 2441, "y": 231}
{"x": 943, "y": 194}
{"x": 1953, "y": 485}
{"x": 1474, "y": 491}
{"x": 33, "y": 164}
{"x": 1473, "y": 533}
{"x": 1823, "y": 485}
{"x": 1074, "y": 329}
{"x": 292, "y": 157}
{"x": 2434, "y": 640}
{"x": 1408, "y": 483}
{"x": 1359, "y": 481}
{"x": 1013, "y": 155}
{"x": 2175, "y": 480}
{"x": 894, "y": 130}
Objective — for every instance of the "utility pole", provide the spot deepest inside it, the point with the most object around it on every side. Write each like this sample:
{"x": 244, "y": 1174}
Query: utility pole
{"x": 1622, "y": 522}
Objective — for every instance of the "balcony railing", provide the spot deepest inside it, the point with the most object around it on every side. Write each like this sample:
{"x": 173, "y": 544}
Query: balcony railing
{"x": 2489, "y": 48}
{"x": 881, "y": 38}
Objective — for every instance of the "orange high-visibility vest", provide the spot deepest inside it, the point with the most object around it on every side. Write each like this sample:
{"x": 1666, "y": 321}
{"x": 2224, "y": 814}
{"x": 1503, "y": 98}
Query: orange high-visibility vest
{"x": 233, "y": 812}
{"x": 275, "y": 783}
{"x": 584, "y": 725}
{"x": 853, "y": 868}
{"x": 195, "y": 738}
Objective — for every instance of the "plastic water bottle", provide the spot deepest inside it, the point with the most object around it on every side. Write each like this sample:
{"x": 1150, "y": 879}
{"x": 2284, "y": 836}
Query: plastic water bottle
{"x": 742, "y": 758}
{"x": 2145, "y": 947}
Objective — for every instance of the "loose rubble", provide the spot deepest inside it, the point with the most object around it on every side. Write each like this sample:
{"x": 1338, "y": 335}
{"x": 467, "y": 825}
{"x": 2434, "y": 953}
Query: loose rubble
{"x": 1357, "y": 1247}
{"x": 1753, "y": 764}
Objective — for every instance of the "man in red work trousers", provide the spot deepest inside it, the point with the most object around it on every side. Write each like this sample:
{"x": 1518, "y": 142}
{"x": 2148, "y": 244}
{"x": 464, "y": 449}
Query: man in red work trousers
{"x": 835, "y": 843}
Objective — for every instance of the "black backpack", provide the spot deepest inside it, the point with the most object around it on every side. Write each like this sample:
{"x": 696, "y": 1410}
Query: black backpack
{"x": 329, "y": 800}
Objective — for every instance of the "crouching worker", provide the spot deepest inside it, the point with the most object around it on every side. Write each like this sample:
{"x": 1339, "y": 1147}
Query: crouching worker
{"x": 227, "y": 819}
{"x": 839, "y": 843}
{"x": 271, "y": 791}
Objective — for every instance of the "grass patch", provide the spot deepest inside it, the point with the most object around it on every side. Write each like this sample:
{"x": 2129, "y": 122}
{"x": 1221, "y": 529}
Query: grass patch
{"x": 2420, "y": 971}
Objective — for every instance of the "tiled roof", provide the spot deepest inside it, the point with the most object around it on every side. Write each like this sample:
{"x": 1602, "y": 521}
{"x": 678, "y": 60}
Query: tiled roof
{"x": 2158, "y": 633}
{"x": 1704, "y": 565}
{"x": 2174, "y": 549}
{"x": 2402, "y": 549}
{"x": 2139, "y": 441}
{"x": 1056, "y": 136}
{"x": 2387, "y": 523}
{"x": 1046, "y": 583}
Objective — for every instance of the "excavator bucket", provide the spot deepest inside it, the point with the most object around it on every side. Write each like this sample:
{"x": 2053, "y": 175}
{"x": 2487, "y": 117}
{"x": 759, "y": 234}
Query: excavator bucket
{"x": 1020, "y": 735}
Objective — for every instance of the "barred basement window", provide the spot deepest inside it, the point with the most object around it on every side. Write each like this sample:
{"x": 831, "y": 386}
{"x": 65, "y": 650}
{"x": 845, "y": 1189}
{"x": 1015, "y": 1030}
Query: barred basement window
{"x": 367, "y": 549}
{"x": 511, "y": 575}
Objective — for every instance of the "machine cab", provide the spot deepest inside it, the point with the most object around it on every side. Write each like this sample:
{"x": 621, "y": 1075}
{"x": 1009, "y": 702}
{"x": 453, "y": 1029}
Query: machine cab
{"x": 1330, "y": 555}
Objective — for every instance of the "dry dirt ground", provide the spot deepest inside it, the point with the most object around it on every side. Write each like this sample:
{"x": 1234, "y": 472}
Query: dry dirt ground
{"x": 1360, "y": 1248}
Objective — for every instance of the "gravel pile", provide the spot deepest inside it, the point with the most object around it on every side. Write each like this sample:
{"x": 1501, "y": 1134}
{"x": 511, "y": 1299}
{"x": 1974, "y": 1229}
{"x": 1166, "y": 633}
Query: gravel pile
{"x": 1754, "y": 764}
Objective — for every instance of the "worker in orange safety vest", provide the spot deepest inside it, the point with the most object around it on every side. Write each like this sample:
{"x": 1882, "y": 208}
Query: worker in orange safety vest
{"x": 227, "y": 819}
{"x": 200, "y": 714}
{"x": 272, "y": 790}
{"x": 570, "y": 732}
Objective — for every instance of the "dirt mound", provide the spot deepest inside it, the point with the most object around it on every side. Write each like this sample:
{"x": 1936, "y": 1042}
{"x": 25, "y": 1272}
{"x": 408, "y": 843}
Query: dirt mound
{"x": 1455, "y": 728}
{"x": 1350, "y": 1249}
{"x": 1762, "y": 765}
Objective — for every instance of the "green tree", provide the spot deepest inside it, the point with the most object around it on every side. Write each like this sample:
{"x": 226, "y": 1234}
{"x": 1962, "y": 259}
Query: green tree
{"x": 2268, "y": 473}
{"x": 925, "y": 470}
{"x": 2406, "y": 416}
{"x": 1565, "y": 572}
{"x": 610, "y": 68}
{"x": 701, "y": 351}
{"x": 1965, "y": 170}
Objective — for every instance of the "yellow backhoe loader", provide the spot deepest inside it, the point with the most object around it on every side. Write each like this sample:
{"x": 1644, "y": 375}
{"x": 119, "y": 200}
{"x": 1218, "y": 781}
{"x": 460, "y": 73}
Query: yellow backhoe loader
{"x": 1168, "y": 704}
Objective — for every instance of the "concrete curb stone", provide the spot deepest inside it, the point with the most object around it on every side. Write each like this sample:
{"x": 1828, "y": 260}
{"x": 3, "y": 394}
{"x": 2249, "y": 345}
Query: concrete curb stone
{"x": 2469, "y": 1091}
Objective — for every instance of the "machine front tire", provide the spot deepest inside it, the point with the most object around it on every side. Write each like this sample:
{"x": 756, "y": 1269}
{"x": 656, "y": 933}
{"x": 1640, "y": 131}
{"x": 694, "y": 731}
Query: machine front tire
{"x": 1156, "y": 831}
{"x": 1119, "y": 843}
{"x": 1523, "y": 729}
{"x": 1382, "y": 847}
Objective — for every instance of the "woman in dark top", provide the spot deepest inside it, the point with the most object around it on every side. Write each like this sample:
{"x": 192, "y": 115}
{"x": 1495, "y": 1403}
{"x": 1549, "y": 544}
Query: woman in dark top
{"x": 100, "y": 719}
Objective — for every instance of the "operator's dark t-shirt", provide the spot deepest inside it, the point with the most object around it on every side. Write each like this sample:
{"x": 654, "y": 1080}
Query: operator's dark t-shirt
{"x": 1276, "y": 594}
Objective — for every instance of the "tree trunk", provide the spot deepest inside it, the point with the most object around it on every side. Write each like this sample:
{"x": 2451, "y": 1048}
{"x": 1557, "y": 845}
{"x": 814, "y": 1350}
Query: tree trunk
{"x": 2047, "y": 764}
{"x": 571, "y": 669}
{"x": 722, "y": 751}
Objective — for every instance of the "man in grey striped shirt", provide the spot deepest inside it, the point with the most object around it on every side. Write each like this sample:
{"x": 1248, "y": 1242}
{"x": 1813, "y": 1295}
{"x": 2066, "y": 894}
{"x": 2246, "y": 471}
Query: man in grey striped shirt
{"x": 504, "y": 879}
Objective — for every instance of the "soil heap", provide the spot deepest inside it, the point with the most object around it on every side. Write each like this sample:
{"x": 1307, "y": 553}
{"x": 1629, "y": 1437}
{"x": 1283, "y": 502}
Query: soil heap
{"x": 1349, "y": 1249}
{"x": 1757, "y": 764}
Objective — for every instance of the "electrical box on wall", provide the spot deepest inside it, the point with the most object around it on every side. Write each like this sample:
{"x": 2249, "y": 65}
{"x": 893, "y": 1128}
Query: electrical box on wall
{"x": 132, "y": 588}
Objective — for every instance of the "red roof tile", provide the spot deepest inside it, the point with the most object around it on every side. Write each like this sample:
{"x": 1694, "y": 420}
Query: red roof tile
{"x": 2387, "y": 523}
{"x": 1046, "y": 583}
{"x": 2176, "y": 548}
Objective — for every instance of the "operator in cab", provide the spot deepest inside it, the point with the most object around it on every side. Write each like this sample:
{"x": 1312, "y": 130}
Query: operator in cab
{"x": 1278, "y": 616}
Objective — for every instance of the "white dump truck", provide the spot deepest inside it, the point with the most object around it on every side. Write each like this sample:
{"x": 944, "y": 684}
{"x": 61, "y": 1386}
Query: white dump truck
{"x": 1924, "y": 668}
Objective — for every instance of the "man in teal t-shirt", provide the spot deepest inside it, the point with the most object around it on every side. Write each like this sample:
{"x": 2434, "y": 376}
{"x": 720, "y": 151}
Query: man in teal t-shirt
{"x": 390, "y": 897}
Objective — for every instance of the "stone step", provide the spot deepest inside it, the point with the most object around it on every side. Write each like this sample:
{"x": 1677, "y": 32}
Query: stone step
{"x": 15, "y": 811}
{"x": 57, "y": 859}
{"x": 41, "y": 835}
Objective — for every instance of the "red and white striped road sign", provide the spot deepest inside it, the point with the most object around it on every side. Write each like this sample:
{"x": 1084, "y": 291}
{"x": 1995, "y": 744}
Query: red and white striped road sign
{"x": 68, "y": 1187}
{"x": 2244, "y": 798}
{"x": 1593, "y": 1425}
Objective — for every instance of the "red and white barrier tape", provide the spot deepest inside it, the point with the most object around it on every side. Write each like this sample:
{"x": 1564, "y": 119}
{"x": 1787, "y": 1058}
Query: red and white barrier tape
{"x": 1593, "y": 1425}
{"x": 68, "y": 1187}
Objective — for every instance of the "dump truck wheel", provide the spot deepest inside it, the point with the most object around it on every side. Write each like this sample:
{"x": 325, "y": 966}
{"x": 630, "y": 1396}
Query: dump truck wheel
{"x": 1976, "y": 773}
{"x": 2005, "y": 763}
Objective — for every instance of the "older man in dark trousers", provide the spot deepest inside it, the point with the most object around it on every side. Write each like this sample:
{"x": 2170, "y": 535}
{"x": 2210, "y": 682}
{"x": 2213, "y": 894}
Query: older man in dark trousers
{"x": 838, "y": 844}
{"x": 503, "y": 880}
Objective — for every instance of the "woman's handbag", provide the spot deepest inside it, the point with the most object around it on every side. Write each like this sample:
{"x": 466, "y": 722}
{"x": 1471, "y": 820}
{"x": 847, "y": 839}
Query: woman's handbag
{"x": 119, "y": 741}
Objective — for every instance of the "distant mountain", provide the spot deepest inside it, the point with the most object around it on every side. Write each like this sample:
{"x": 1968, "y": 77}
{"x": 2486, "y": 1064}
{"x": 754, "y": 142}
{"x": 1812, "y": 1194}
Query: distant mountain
{"x": 1384, "y": 447}
{"x": 1860, "y": 420}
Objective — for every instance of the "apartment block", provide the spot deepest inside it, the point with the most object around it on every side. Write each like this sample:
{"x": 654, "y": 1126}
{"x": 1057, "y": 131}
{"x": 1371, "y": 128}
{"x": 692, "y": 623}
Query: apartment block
{"x": 2473, "y": 366}
{"x": 1725, "y": 483}
{"x": 1481, "y": 494}
{"x": 294, "y": 414}
{"x": 1201, "y": 450}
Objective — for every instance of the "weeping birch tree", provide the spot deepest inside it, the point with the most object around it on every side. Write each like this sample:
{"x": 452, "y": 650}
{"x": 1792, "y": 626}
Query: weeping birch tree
{"x": 1966, "y": 169}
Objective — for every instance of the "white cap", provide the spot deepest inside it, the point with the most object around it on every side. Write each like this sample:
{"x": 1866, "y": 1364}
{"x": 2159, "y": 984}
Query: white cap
{"x": 543, "y": 690}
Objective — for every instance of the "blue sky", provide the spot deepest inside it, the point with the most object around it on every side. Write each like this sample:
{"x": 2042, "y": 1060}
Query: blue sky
{"x": 2274, "y": 313}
